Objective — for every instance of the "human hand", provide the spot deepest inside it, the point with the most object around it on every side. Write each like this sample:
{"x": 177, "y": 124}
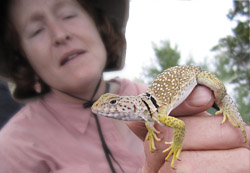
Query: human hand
{"x": 208, "y": 146}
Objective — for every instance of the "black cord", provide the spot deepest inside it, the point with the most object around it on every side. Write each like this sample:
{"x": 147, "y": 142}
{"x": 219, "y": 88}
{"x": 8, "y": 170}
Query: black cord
{"x": 90, "y": 102}
{"x": 105, "y": 147}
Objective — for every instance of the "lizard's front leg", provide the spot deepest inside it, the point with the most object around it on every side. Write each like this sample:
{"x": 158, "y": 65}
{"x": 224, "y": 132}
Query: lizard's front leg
{"x": 152, "y": 135}
{"x": 178, "y": 137}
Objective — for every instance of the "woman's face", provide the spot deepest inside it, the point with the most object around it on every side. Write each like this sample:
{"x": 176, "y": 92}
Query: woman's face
{"x": 61, "y": 42}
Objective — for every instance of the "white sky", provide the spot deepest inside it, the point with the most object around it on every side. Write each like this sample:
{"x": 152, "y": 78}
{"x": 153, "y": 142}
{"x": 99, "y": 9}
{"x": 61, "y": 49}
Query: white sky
{"x": 194, "y": 25}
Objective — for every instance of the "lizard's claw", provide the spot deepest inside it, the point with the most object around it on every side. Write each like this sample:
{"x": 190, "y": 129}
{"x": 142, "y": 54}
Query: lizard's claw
{"x": 225, "y": 117}
{"x": 174, "y": 149}
{"x": 228, "y": 114}
{"x": 151, "y": 136}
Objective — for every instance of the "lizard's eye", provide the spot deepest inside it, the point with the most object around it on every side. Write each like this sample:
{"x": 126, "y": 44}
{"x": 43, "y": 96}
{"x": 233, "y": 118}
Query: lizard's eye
{"x": 113, "y": 102}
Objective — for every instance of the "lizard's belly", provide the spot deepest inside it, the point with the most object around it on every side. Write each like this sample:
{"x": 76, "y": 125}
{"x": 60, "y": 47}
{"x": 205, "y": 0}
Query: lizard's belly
{"x": 184, "y": 92}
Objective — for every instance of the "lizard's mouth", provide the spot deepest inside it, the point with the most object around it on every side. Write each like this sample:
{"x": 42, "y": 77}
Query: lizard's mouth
{"x": 118, "y": 115}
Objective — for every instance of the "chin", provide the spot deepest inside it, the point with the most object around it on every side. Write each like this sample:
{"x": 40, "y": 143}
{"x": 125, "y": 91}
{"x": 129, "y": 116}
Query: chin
{"x": 88, "y": 74}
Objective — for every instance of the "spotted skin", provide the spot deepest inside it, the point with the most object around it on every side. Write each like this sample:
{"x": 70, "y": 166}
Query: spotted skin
{"x": 167, "y": 91}
{"x": 168, "y": 84}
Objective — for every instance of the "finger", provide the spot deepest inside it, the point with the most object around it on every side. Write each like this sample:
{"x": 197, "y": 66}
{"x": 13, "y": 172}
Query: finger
{"x": 206, "y": 133}
{"x": 154, "y": 160}
{"x": 223, "y": 161}
{"x": 198, "y": 101}
{"x": 203, "y": 131}
{"x": 138, "y": 128}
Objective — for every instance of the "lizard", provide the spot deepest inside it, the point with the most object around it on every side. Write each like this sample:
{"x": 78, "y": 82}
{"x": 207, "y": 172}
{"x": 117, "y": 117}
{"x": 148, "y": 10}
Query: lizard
{"x": 167, "y": 91}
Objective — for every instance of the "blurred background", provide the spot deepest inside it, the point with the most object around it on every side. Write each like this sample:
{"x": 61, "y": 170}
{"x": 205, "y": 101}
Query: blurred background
{"x": 212, "y": 34}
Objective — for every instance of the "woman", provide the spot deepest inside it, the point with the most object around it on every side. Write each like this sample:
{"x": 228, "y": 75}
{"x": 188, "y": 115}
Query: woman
{"x": 57, "y": 50}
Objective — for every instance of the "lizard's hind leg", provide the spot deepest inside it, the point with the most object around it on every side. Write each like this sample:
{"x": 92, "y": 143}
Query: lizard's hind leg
{"x": 223, "y": 100}
{"x": 230, "y": 112}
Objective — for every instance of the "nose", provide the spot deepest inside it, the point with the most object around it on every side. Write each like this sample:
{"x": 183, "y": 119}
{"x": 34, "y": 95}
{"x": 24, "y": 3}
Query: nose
{"x": 62, "y": 39}
{"x": 59, "y": 34}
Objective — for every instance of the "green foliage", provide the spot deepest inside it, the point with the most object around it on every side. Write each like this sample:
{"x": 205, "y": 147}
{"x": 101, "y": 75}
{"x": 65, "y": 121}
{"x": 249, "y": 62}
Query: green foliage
{"x": 242, "y": 100}
{"x": 166, "y": 52}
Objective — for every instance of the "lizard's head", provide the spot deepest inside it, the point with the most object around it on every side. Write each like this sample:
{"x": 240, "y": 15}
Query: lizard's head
{"x": 117, "y": 107}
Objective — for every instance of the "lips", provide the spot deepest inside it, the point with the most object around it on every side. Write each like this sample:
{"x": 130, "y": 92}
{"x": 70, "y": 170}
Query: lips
{"x": 70, "y": 55}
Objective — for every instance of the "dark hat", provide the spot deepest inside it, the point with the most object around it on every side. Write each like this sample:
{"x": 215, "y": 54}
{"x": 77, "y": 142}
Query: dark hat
{"x": 115, "y": 10}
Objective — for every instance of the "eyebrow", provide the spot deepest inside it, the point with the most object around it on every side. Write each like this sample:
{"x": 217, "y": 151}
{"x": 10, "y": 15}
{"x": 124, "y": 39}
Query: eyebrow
{"x": 35, "y": 16}
{"x": 38, "y": 16}
{"x": 60, "y": 4}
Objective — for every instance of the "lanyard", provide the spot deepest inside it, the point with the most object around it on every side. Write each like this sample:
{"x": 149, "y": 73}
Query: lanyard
{"x": 109, "y": 156}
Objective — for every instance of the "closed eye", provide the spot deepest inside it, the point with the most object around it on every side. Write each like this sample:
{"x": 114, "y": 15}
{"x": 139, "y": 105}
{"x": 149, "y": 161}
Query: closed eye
{"x": 69, "y": 17}
{"x": 38, "y": 31}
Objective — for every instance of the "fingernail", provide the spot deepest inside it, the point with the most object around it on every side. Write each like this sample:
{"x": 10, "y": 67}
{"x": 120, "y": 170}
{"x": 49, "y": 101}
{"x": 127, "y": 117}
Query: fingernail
{"x": 201, "y": 96}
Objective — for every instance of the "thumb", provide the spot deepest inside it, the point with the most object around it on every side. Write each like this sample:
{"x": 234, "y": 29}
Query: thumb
{"x": 200, "y": 99}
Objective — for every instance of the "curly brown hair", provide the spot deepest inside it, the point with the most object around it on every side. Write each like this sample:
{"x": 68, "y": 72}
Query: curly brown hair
{"x": 15, "y": 66}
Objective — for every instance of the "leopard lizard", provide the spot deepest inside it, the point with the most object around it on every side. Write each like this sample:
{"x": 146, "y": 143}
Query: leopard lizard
{"x": 167, "y": 91}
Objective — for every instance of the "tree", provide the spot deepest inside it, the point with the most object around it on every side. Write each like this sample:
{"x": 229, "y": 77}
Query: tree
{"x": 166, "y": 57}
{"x": 232, "y": 58}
